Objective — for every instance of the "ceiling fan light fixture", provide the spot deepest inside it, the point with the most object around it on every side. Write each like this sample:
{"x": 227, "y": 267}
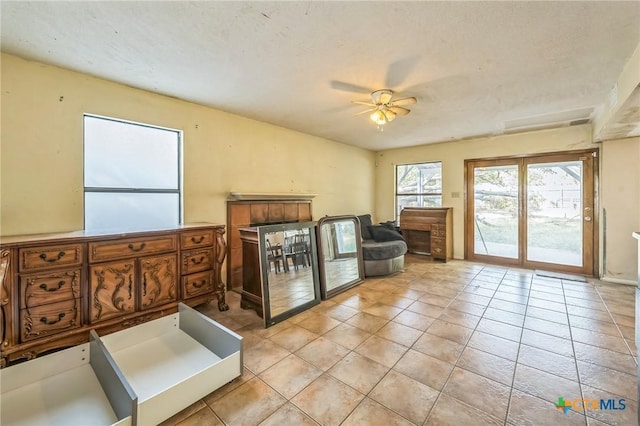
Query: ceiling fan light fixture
{"x": 389, "y": 115}
{"x": 378, "y": 117}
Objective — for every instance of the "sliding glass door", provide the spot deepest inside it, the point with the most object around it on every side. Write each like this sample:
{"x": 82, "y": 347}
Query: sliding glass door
{"x": 535, "y": 211}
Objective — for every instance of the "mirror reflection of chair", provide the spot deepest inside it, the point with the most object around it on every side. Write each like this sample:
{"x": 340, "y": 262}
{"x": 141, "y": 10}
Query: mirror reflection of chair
{"x": 297, "y": 249}
{"x": 276, "y": 257}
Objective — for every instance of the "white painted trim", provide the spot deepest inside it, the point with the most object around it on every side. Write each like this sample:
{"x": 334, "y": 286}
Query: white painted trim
{"x": 618, "y": 281}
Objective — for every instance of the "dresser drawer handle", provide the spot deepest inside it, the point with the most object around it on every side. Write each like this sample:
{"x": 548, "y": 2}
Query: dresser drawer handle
{"x": 44, "y": 320}
{"x": 198, "y": 241}
{"x": 43, "y": 256}
{"x": 142, "y": 245}
{"x": 197, "y": 262}
{"x": 200, "y": 284}
{"x": 45, "y": 288}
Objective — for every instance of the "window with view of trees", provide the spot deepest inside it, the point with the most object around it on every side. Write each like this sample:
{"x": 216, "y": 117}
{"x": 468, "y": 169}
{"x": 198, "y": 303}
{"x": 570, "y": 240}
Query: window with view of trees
{"x": 418, "y": 185}
{"x": 132, "y": 175}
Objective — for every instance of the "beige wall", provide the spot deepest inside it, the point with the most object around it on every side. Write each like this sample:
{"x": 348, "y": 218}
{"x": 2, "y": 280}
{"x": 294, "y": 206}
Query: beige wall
{"x": 41, "y": 184}
{"x": 621, "y": 202}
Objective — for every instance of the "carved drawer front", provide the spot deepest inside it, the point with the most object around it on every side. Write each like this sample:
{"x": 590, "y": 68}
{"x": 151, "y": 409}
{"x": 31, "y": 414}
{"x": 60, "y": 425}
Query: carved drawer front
{"x": 196, "y": 261}
{"x": 197, "y": 284}
{"x": 130, "y": 247}
{"x": 196, "y": 239}
{"x": 38, "y": 289}
{"x": 438, "y": 242}
{"x": 112, "y": 290}
{"x": 158, "y": 280}
{"x": 52, "y": 318}
{"x": 35, "y": 258}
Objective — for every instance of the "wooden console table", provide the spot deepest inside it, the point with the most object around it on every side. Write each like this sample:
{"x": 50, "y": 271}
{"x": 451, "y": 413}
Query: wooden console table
{"x": 428, "y": 231}
{"x": 248, "y": 210}
{"x": 55, "y": 288}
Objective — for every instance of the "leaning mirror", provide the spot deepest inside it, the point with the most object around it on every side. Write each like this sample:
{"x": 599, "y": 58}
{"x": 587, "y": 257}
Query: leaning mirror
{"x": 290, "y": 279}
{"x": 340, "y": 254}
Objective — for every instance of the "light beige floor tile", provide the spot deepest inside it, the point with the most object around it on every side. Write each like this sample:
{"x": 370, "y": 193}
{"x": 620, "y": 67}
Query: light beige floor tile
{"x": 547, "y": 342}
{"x": 548, "y": 361}
{"x": 290, "y": 375}
{"x": 293, "y": 338}
{"x": 414, "y": 320}
{"x": 479, "y": 392}
{"x": 187, "y": 412}
{"x": 459, "y": 318}
{"x": 347, "y": 335}
{"x": 438, "y": 347}
{"x": 288, "y": 414}
{"x": 381, "y": 350}
{"x": 322, "y": 352}
{"x": 494, "y": 345}
{"x": 359, "y": 372}
{"x": 319, "y": 323}
{"x": 608, "y": 380}
{"x": 202, "y": 417}
{"x": 544, "y": 385}
{"x": 628, "y": 416}
{"x": 370, "y": 413}
{"x": 525, "y": 409}
{"x": 606, "y": 358}
{"x": 450, "y": 331}
{"x": 547, "y": 327}
{"x": 449, "y": 411}
{"x": 407, "y": 397}
{"x": 424, "y": 368}
{"x": 487, "y": 365}
{"x": 381, "y": 310}
{"x": 327, "y": 400}
{"x": 250, "y": 403}
{"x": 399, "y": 333}
{"x": 367, "y": 322}
{"x": 500, "y": 329}
{"x": 263, "y": 355}
{"x": 341, "y": 312}
{"x": 425, "y": 309}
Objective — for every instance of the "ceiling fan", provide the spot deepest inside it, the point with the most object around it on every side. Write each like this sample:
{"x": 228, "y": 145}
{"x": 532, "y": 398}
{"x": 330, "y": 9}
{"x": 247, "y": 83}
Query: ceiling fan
{"x": 383, "y": 109}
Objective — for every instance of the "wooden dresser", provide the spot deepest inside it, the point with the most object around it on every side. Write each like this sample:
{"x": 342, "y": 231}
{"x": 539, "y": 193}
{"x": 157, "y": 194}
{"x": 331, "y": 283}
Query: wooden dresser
{"x": 254, "y": 210}
{"x": 428, "y": 231}
{"x": 54, "y": 288}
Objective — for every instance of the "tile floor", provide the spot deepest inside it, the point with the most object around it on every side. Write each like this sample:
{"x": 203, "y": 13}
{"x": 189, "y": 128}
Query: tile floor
{"x": 439, "y": 344}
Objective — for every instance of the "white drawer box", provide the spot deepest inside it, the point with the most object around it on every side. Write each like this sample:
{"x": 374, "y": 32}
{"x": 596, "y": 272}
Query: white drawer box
{"x": 174, "y": 361}
{"x": 77, "y": 386}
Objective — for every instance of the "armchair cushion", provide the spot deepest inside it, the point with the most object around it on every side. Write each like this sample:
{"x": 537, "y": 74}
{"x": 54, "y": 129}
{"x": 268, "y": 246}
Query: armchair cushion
{"x": 381, "y": 233}
{"x": 365, "y": 223}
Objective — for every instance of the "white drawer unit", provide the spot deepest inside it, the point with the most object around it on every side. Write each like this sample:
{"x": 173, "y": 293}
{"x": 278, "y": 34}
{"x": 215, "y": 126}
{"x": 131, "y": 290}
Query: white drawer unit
{"x": 138, "y": 376}
{"x": 174, "y": 361}
{"x": 77, "y": 386}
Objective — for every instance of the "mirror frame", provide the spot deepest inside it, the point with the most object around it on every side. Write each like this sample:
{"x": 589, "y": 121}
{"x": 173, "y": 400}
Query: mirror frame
{"x": 264, "y": 266}
{"x": 326, "y": 294}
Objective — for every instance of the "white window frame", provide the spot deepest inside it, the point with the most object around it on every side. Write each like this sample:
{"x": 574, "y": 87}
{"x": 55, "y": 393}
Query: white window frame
{"x": 135, "y": 190}
{"x": 418, "y": 194}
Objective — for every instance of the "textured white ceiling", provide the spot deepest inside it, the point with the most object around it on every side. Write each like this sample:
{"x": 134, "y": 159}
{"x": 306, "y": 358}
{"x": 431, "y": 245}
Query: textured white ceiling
{"x": 475, "y": 67}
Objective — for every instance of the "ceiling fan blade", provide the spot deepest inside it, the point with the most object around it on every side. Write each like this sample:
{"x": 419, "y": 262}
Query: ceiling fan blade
{"x": 363, "y": 103}
{"x": 389, "y": 115}
{"x": 399, "y": 110}
{"x": 404, "y": 101}
{"x": 365, "y": 111}
{"x": 348, "y": 87}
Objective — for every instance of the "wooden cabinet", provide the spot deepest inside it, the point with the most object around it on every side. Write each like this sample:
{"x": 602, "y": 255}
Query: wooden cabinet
{"x": 55, "y": 288}
{"x": 260, "y": 210}
{"x": 428, "y": 231}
